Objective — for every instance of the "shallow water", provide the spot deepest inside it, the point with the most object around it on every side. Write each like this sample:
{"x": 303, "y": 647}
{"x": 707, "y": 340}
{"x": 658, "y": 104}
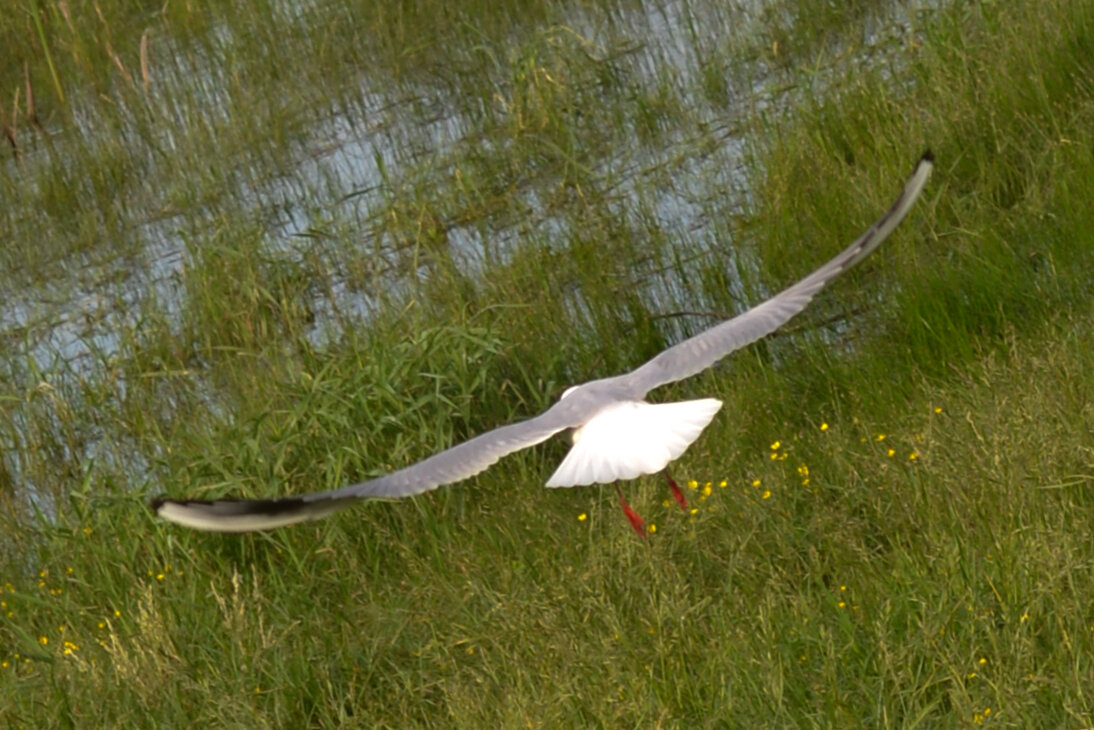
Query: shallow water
{"x": 336, "y": 169}
{"x": 158, "y": 176}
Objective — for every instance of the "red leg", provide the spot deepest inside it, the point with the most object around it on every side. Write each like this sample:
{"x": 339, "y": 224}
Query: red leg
{"x": 677, "y": 493}
{"x": 637, "y": 522}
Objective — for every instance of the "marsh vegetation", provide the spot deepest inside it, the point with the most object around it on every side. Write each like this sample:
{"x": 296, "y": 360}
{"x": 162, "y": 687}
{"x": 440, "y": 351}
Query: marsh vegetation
{"x": 270, "y": 247}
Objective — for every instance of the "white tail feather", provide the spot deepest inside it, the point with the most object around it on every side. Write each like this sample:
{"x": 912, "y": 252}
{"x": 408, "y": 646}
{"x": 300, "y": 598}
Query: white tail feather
{"x": 629, "y": 439}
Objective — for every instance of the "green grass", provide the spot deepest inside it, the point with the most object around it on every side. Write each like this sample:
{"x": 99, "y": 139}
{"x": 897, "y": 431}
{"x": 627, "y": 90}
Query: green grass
{"x": 893, "y": 511}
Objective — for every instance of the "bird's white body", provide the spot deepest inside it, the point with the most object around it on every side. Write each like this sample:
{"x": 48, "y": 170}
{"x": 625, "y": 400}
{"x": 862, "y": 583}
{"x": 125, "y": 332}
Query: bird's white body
{"x": 632, "y": 438}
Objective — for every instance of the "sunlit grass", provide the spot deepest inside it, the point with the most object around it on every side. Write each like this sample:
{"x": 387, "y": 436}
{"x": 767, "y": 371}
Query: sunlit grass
{"x": 888, "y": 524}
{"x": 958, "y": 572}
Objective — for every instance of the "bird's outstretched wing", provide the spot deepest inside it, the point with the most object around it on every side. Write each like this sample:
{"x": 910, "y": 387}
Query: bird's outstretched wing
{"x": 471, "y": 457}
{"x": 698, "y": 353}
{"x": 451, "y": 465}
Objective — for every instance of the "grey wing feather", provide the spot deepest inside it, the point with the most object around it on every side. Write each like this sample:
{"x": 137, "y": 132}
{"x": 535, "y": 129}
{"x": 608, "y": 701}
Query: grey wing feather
{"x": 697, "y": 353}
{"x": 452, "y": 465}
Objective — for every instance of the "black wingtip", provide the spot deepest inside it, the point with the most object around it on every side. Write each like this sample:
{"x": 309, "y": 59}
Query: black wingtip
{"x": 234, "y": 507}
{"x": 928, "y": 156}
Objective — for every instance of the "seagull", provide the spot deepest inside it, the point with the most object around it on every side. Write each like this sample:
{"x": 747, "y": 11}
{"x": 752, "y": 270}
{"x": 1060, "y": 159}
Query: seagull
{"x": 616, "y": 433}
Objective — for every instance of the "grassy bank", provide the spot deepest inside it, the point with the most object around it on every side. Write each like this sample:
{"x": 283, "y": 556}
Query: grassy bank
{"x": 260, "y": 250}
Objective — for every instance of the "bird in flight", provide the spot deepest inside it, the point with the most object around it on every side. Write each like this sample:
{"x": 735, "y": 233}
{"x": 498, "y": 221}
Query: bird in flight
{"x": 616, "y": 433}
